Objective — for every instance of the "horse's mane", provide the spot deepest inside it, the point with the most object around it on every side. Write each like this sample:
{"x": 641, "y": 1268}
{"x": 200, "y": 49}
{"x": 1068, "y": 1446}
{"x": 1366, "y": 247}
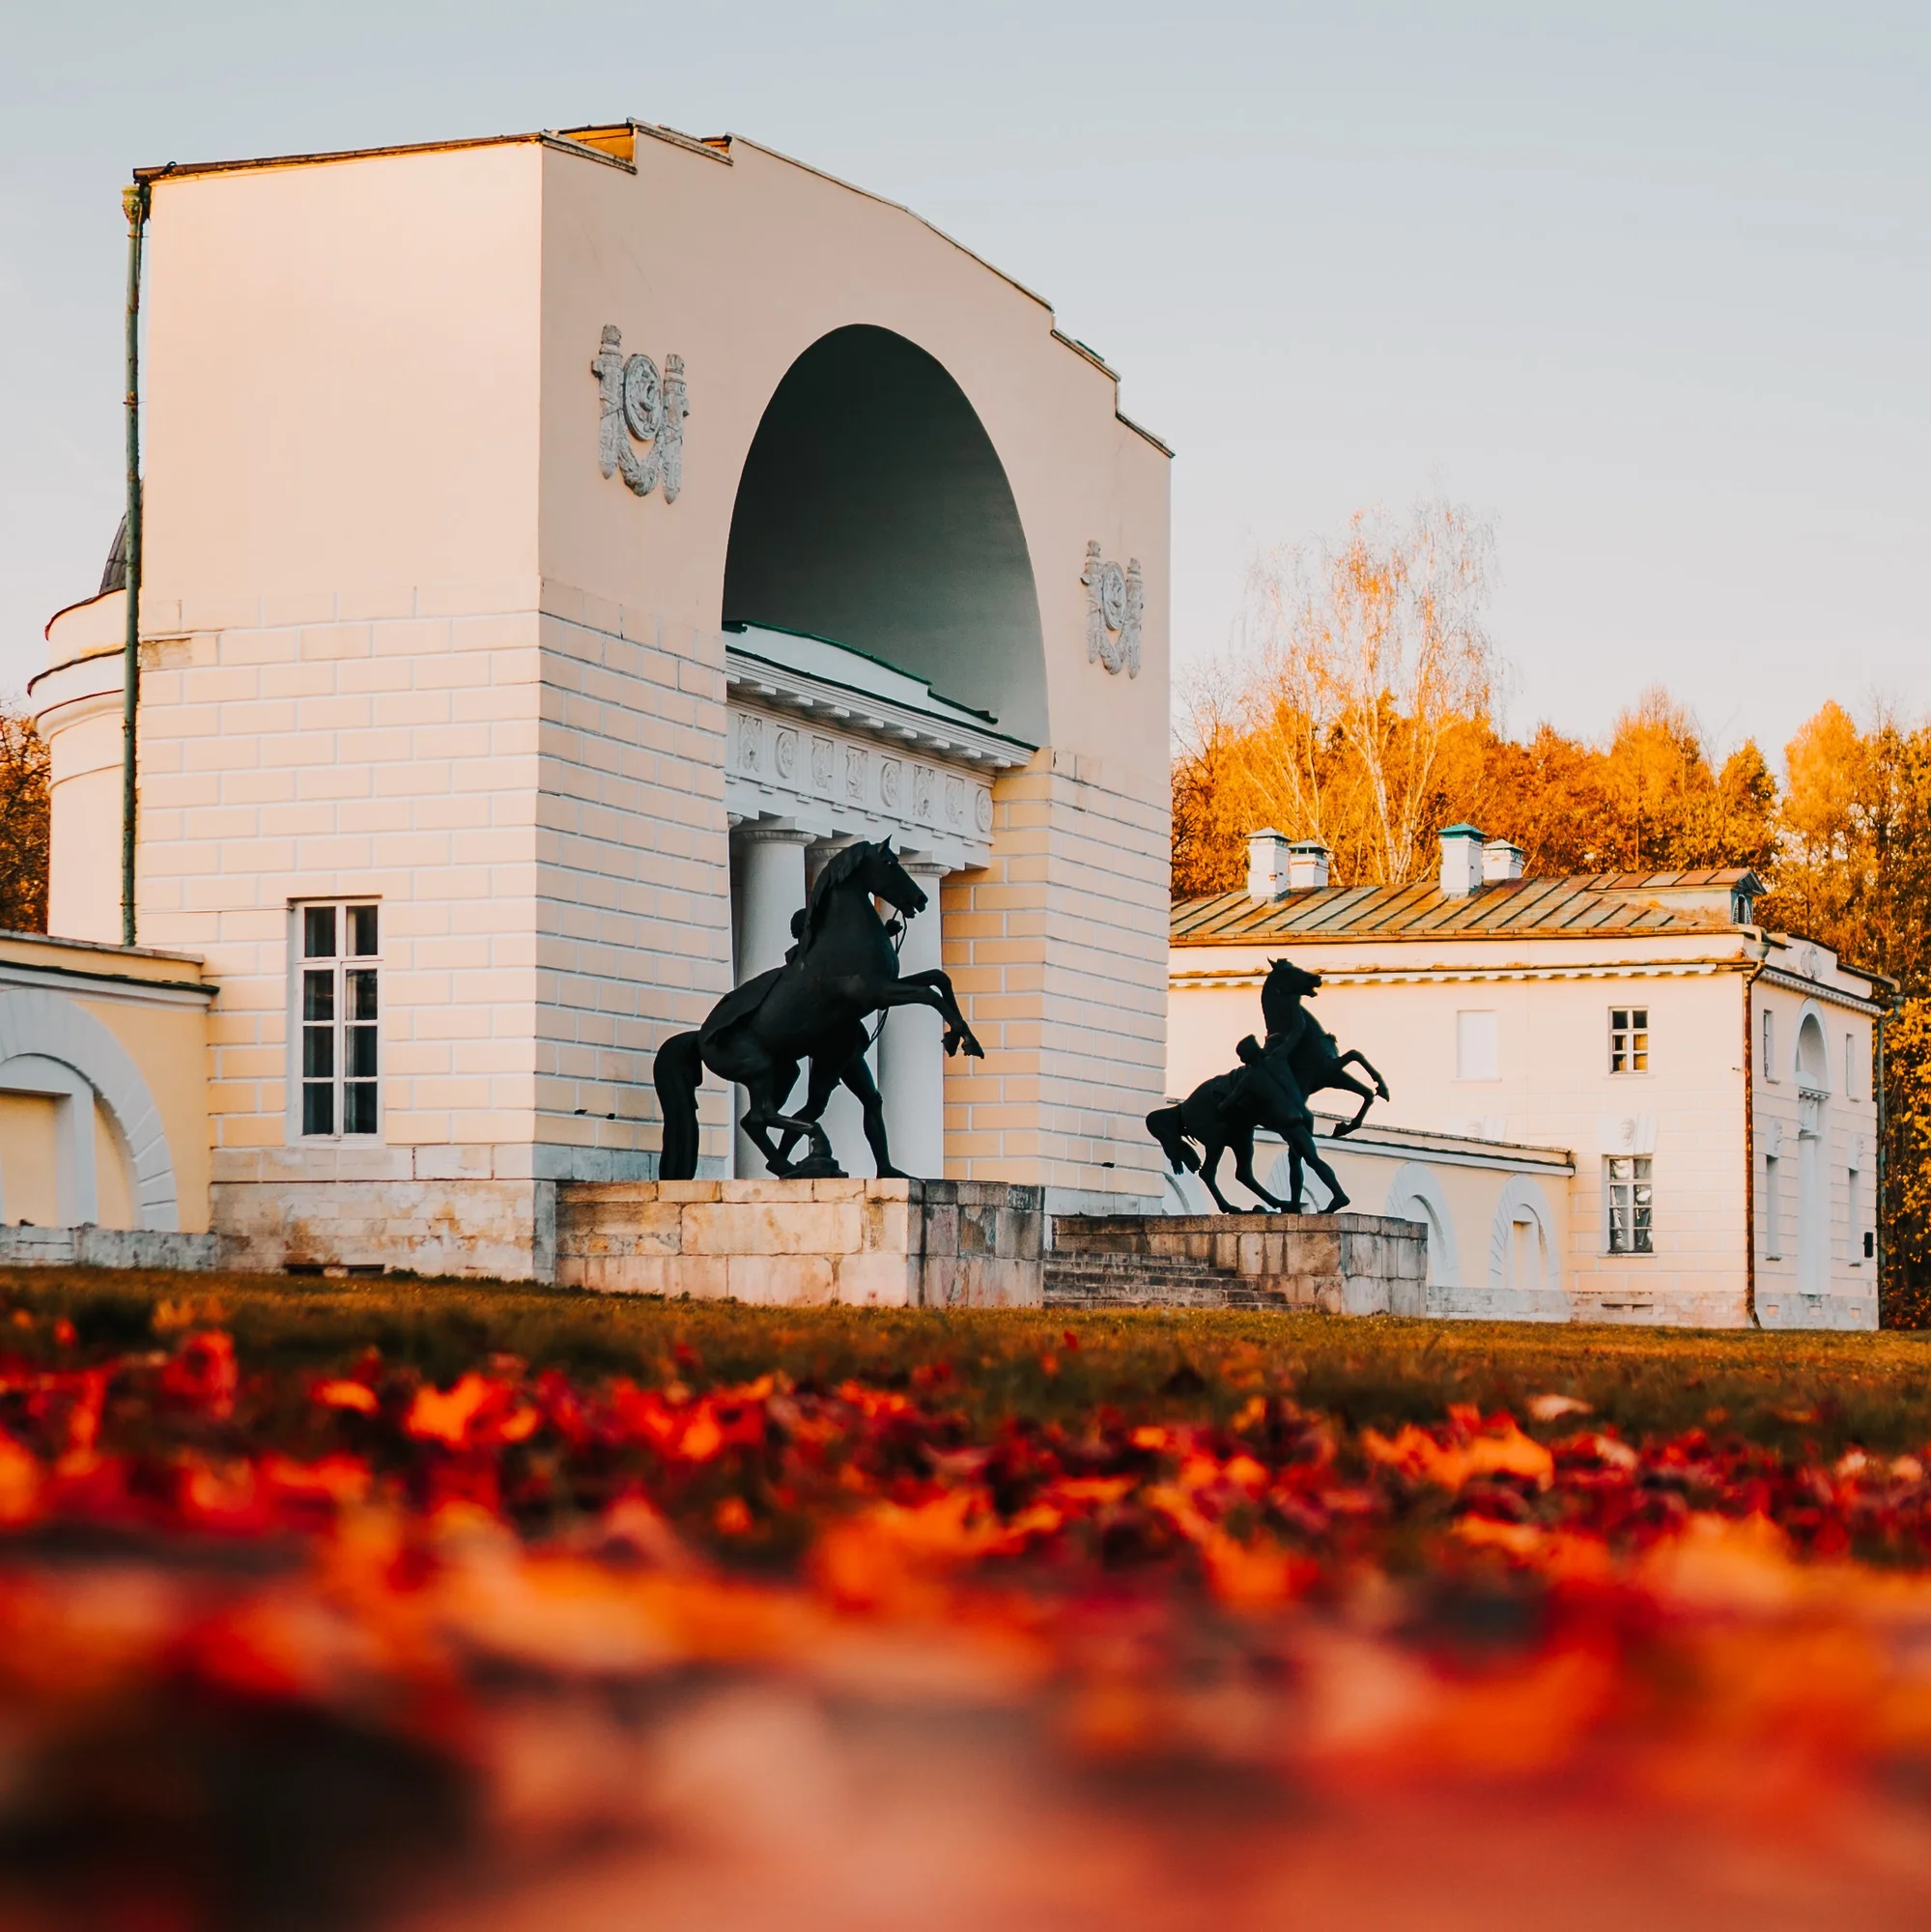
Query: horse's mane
{"x": 839, "y": 867}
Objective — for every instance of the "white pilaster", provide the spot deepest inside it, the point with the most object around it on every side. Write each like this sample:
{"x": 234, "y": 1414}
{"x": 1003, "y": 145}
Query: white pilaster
{"x": 771, "y": 887}
{"x": 911, "y": 1072}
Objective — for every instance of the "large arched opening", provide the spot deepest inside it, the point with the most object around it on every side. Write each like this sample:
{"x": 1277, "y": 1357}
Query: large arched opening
{"x": 874, "y": 511}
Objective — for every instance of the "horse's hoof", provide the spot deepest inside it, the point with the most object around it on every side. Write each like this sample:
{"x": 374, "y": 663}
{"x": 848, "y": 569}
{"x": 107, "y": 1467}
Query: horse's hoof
{"x": 817, "y": 1167}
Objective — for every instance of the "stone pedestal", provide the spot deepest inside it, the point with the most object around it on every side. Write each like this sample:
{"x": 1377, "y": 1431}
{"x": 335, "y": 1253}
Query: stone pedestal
{"x": 1341, "y": 1264}
{"x": 882, "y": 1244}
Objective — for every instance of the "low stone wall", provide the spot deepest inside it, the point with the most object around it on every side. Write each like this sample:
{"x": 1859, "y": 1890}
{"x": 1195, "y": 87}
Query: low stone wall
{"x": 880, "y": 1243}
{"x": 498, "y": 1229}
{"x": 107, "y": 1248}
{"x": 1342, "y": 1263}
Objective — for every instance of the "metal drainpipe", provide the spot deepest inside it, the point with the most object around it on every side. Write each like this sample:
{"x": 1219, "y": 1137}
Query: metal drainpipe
{"x": 134, "y": 200}
{"x": 1877, "y": 1244}
{"x": 1750, "y": 1150}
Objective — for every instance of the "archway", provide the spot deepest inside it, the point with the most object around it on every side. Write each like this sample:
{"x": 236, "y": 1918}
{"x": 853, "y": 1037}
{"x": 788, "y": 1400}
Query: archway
{"x": 1414, "y": 1194}
{"x": 874, "y": 511}
{"x": 51, "y": 1047}
{"x": 1521, "y": 1240}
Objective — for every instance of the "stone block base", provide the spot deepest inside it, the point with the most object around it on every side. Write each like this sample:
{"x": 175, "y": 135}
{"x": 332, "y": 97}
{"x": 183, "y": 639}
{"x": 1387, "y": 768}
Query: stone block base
{"x": 106, "y": 1248}
{"x": 501, "y": 1228}
{"x": 880, "y": 1243}
{"x": 1343, "y": 1264}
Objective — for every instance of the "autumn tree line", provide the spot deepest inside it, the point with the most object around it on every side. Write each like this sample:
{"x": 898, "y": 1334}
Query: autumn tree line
{"x": 1360, "y": 706}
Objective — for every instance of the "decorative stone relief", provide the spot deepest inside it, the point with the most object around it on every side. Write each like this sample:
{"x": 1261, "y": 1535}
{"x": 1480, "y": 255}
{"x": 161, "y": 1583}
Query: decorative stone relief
{"x": 637, "y": 403}
{"x": 1115, "y": 599}
{"x": 834, "y": 781}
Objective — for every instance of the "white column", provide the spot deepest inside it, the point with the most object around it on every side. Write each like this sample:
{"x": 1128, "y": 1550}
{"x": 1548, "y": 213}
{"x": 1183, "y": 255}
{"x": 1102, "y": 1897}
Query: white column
{"x": 912, "y": 1063}
{"x": 842, "y": 1119}
{"x": 771, "y": 881}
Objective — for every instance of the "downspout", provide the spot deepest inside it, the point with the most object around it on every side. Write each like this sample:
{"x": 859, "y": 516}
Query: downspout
{"x": 134, "y": 200}
{"x": 1882, "y": 1165}
{"x": 1750, "y": 1148}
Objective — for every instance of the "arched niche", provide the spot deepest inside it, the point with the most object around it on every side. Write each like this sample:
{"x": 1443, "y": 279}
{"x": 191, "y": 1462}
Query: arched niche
{"x": 51, "y": 1047}
{"x": 874, "y": 511}
{"x": 1414, "y": 1194}
{"x": 1521, "y": 1240}
{"x": 1813, "y": 1054}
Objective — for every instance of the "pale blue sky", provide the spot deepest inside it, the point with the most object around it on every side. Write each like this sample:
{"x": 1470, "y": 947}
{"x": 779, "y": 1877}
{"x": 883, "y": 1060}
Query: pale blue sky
{"x": 1648, "y": 284}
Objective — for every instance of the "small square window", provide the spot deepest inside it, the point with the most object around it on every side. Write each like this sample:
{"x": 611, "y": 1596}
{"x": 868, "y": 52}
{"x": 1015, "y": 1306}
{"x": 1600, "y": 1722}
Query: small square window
{"x": 1629, "y": 1040}
{"x": 1629, "y": 1204}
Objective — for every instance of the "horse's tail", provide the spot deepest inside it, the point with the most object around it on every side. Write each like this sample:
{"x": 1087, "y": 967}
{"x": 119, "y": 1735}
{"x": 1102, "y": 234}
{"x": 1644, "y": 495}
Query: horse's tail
{"x": 678, "y": 1073}
{"x": 1164, "y": 1125}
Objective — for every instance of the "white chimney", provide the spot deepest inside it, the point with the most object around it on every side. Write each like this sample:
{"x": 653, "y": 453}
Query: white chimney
{"x": 1267, "y": 865}
{"x": 1307, "y": 866}
{"x": 1501, "y": 862}
{"x": 1460, "y": 861}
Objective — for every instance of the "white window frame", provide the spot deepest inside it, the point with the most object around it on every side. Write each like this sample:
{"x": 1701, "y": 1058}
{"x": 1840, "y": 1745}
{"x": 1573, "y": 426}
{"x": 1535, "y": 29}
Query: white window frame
{"x": 1630, "y": 1042}
{"x": 1769, "y": 1045}
{"x": 1849, "y": 1061}
{"x": 1638, "y": 1188}
{"x": 339, "y": 966}
{"x": 1767, "y": 1208}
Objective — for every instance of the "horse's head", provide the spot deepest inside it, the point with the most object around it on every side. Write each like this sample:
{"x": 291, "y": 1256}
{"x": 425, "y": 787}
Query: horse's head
{"x": 1286, "y": 986}
{"x": 1293, "y": 980}
{"x": 887, "y": 880}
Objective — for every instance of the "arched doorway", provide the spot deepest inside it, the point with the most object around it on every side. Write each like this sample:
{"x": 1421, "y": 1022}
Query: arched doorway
{"x": 874, "y": 534}
{"x": 874, "y": 511}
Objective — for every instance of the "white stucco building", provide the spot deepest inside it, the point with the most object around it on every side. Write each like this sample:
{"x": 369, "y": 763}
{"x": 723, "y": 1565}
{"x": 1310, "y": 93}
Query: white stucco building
{"x": 554, "y": 544}
{"x": 1612, "y": 1098}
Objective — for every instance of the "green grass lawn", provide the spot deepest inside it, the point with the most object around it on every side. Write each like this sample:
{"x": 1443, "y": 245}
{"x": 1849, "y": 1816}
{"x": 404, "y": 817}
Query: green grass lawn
{"x": 1821, "y": 1391}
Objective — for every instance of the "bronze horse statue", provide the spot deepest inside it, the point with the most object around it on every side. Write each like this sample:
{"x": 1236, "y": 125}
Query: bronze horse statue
{"x": 1226, "y": 1111}
{"x": 1269, "y": 1090}
{"x": 843, "y": 969}
{"x": 1311, "y": 1051}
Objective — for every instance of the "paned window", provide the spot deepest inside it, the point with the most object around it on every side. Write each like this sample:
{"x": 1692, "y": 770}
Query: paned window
{"x": 1629, "y": 1040}
{"x": 1850, "y": 1063}
{"x": 1629, "y": 1204}
{"x": 1769, "y": 1044}
{"x": 337, "y": 996}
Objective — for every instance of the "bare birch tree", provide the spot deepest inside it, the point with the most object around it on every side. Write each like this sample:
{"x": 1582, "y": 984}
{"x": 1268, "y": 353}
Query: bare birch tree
{"x": 1370, "y": 655}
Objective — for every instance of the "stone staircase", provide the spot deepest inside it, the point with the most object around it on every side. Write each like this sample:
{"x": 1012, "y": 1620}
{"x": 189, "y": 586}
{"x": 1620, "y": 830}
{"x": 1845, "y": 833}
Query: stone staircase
{"x": 1342, "y": 1263}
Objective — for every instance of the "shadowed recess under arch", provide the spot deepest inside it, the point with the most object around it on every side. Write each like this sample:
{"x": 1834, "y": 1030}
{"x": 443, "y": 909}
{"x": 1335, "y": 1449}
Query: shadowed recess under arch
{"x": 874, "y": 511}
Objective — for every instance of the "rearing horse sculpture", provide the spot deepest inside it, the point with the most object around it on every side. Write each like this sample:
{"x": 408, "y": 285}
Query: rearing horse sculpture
{"x": 843, "y": 969}
{"x": 1311, "y": 1051}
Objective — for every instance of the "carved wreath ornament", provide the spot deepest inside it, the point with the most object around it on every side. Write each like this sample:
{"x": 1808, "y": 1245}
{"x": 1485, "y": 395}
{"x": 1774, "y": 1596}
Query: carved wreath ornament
{"x": 1114, "y": 601}
{"x": 637, "y": 403}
